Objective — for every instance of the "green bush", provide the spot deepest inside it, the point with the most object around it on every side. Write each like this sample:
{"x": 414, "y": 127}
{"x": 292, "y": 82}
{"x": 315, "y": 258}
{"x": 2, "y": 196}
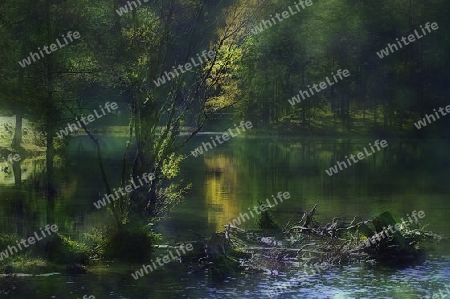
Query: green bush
{"x": 130, "y": 244}
{"x": 62, "y": 250}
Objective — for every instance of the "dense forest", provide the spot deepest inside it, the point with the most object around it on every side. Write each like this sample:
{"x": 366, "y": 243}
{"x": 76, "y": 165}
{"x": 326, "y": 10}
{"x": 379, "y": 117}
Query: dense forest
{"x": 253, "y": 74}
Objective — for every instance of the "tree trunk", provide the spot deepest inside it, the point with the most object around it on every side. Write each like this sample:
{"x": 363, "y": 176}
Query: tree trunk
{"x": 17, "y": 139}
{"x": 50, "y": 189}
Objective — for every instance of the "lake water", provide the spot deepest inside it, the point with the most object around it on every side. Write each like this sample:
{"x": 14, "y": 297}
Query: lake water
{"x": 227, "y": 180}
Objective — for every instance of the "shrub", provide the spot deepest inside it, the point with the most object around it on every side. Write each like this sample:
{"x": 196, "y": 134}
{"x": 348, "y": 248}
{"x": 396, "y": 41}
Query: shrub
{"x": 62, "y": 250}
{"x": 130, "y": 244}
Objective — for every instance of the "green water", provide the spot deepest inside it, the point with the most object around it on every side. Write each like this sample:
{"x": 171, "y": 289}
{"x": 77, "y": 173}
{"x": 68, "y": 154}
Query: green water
{"x": 227, "y": 180}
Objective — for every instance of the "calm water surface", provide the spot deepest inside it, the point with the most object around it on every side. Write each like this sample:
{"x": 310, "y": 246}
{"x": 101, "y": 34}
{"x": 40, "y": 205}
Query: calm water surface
{"x": 229, "y": 179}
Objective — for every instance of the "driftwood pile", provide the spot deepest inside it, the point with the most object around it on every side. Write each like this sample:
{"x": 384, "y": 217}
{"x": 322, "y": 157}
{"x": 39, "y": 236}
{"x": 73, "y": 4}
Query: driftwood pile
{"x": 307, "y": 243}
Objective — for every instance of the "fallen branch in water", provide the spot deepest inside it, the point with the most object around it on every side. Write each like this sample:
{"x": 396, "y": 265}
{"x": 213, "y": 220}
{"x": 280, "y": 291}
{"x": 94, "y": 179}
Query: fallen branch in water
{"x": 307, "y": 242}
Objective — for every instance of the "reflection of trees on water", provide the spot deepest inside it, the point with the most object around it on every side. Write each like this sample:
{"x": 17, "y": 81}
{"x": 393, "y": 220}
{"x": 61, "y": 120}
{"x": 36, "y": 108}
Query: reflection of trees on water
{"x": 301, "y": 164}
{"x": 20, "y": 211}
{"x": 17, "y": 174}
{"x": 24, "y": 205}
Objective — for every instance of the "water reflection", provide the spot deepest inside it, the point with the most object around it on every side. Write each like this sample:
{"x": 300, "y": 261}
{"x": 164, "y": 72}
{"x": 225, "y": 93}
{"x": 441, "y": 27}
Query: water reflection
{"x": 220, "y": 190}
{"x": 405, "y": 176}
